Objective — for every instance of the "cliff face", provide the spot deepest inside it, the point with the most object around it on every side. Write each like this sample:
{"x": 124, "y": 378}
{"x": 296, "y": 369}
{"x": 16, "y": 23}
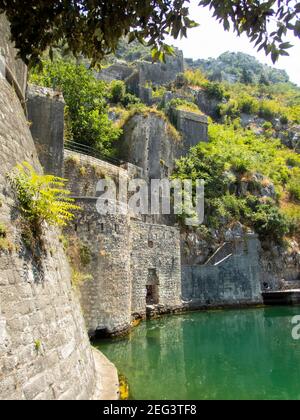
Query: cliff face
{"x": 44, "y": 348}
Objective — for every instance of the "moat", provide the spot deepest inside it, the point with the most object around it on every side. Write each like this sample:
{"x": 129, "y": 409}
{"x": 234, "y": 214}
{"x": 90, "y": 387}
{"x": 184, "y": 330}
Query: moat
{"x": 244, "y": 354}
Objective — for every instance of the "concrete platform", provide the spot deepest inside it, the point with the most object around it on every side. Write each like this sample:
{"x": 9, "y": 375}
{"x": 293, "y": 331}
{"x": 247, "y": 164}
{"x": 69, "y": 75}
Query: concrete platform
{"x": 282, "y": 297}
{"x": 107, "y": 380}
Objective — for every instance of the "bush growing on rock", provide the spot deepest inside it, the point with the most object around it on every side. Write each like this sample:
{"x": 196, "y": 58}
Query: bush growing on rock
{"x": 117, "y": 91}
{"x": 245, "y": 175}
{"x": 40, "y": 199}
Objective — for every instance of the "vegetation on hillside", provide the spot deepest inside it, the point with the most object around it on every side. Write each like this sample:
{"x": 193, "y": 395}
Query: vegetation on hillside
{"x": 238, "y": 68}
{"x": 248, "y": 178}
{"x": 86, "y": 99}
{"x": 269, "y": 102}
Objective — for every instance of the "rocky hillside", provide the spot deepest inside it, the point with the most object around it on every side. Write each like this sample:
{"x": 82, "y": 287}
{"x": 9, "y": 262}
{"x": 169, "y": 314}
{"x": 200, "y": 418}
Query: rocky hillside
{"x": 238, "y": 67}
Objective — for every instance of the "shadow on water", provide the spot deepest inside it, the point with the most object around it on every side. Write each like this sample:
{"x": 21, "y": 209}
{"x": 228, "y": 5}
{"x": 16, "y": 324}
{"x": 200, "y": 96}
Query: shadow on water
{"x": 244, "y": 354}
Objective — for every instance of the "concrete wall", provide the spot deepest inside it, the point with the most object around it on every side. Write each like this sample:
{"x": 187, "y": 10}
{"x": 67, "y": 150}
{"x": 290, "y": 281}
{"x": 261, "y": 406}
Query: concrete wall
{"x": 46, "y": 115}
{"x": 155, "y": 251}
{"x": 233, "y": 281}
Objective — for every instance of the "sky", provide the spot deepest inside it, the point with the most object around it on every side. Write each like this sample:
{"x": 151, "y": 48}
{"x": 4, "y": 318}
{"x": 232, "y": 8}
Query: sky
{"x": 210, "y": 40}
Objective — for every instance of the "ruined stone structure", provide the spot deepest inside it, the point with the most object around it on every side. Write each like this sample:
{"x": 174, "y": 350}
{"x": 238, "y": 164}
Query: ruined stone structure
{"x": 192, "y": 126}
{"x": 118, "y": 71}
{"x": 44, "y": 348}
{"x": 46, "y": 115}
{"x": 137, "y": 77}
{"x": 230, "y": 278}
{"x": 149, "y": 144}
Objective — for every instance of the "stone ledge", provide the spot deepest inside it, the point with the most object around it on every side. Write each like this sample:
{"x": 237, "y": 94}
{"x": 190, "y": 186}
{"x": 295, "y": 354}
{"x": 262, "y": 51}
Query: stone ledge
{"x": 34, "y": 91}
{"x": 107, "y": 380}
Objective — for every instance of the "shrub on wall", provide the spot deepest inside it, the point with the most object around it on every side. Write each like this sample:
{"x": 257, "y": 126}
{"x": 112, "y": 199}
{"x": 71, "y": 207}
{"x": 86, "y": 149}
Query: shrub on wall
{"x": 41, "y": 199}
{"x": 182, "y": 105}
{"x": 117, "y": 91}
{"x": 195, "y": 78}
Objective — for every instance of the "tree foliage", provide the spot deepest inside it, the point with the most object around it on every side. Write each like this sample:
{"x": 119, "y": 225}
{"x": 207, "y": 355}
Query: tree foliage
{"x": 235, "y": 66}
{"x": 238, "y": 168}
{"x": 94, "y": 27}
{"x": 85, "y": 98}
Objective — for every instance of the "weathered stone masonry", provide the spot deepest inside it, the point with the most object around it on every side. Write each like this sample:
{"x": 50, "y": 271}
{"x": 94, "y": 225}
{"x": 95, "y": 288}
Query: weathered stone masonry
{"x": 124, "y": 261}
{"x": 230, "y": 280}
{"x": 44, "y": 348}
{"x": 46, "y": 116}
{"x": 155, "y": 267}
{"x": 106, "y": 298}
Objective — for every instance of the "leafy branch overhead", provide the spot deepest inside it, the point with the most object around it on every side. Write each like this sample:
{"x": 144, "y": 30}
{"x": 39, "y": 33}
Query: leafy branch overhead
{"x": 266, "y": 23}
{"x": 93, "y": 27}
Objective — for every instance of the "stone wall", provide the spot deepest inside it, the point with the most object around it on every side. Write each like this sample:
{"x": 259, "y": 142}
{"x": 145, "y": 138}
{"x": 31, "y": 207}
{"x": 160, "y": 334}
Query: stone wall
{"x": 117, "y": 71}
{"x": 280, "y": 267}
{"x": 207, "y": 104}
{"x": 149, "y": 143}
{"x": 105, "y": 298}
{"x": 231, "y": 282}
{"x": 15, "y": 71}
{"x": 83, "y": 173}
{"x": 161, "y": 73}
{"x": 123, "y": 253}
{"x": 155, "y": 262}
{"x": 44, "y": 348}
{"x": 192, "y": 126}
{"x": 46, "y": 115}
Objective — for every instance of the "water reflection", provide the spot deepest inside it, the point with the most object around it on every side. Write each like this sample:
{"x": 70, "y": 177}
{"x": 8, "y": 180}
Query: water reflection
{"x": 247, "y": 354}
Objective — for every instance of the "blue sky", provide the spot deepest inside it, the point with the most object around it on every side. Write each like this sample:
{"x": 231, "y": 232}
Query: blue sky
{"x": 210, "y": 40}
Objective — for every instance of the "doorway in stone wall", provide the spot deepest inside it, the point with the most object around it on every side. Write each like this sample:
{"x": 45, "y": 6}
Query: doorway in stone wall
{"x": 152, "y": 286}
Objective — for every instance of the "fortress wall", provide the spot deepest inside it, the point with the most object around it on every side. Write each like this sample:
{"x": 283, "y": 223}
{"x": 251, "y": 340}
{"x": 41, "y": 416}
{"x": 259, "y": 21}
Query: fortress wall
{"x": 148, "y": 143}
{"x": 14, "y": 66}
{"x": 155, "y": 261}
{"x": 46, "y": 116}
{"x": 231, "y": 282}
{"x": 105, "y": 298}
{"x": 84, "y": 172}
{"x": 44, "y": 348}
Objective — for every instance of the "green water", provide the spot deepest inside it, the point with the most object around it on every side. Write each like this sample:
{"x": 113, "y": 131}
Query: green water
{"x": 245, "y": 354}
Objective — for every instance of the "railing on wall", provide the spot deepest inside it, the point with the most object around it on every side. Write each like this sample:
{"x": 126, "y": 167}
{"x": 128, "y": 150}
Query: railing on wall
{"x": 91, "y": 151}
